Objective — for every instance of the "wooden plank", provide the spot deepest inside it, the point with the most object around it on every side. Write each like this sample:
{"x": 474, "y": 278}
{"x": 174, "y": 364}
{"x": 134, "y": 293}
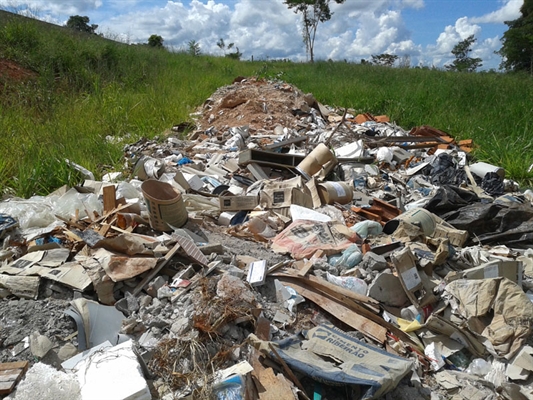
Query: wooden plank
{"x": 349, "y": 317}
{"x": 335, "y": 291}
{"x": 10, "y": 374}
{"x": 156, "y": 270}
{"x": 14, "y": 365}
{"x": 110, "y": 198}
{"x": 306, "y": 267}
{"x": 322, "y": 284}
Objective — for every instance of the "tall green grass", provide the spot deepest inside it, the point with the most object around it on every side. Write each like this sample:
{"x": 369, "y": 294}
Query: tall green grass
{"x": 87, "y": 88}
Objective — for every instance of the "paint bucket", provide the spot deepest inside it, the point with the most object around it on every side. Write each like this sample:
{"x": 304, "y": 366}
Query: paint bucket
{"x": 420, "y": 217}
{"x": 315, "y": 160}
{"x": 165, "y": 205}
{"x": 335, "y": 192}
{"x": 481, "y": 169}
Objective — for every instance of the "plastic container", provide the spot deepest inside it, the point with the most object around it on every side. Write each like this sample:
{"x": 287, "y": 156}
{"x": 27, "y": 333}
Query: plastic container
{"x": 367, "y": 228}
{"x": 481, "y": 169}
{"x": 260, "y": 227}
{"x": 349, "y": 258}
{"x": 165, "y": 205}
{"x": 417, "y": 216}
{"x": 335, "y": 192}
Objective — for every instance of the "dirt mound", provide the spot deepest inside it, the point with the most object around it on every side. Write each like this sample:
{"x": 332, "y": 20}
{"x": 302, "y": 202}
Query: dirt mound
{"x": 259, "y": 104}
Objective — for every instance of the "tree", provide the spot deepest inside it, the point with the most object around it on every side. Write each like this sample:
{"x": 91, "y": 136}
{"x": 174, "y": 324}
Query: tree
{"x": 222, "y": 45}
{"x": 386, "y": 60}
{"x": 194, "y": 48}
{"x": 156, "y": 41}
{"x": 462, "y": 62}
{"x": 313, "y": 12}
{"x": 235, "y": 55}
{"x": 81, "y": 24}
{"x": 517, "y": 41}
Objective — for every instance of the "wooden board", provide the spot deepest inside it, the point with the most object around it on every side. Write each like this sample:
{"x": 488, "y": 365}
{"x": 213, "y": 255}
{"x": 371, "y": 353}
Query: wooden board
{"x": 10, "y": 374}
{"x": 349, "y": 317}
{"x": 109, "y": 198}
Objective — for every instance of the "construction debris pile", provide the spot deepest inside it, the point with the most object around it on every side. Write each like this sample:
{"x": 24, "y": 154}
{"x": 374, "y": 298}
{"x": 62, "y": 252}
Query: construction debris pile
{"x": 283, "y": 250}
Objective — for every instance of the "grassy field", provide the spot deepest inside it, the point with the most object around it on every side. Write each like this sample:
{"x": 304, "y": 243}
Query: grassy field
{"x": 86, "y": 88}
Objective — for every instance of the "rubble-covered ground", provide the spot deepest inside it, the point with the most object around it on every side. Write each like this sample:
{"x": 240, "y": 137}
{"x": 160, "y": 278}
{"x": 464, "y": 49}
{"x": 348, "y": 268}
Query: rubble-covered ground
{"x": 283, "y": 249}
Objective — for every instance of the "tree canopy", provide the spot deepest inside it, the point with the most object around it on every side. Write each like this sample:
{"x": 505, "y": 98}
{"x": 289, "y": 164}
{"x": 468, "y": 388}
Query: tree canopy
{"x": 81, "y": 24}
{"x": 384, "y": 59}
{"x": 313, "y": 12}
{"x": 155, "y": 41}
{"x": 517, "y": 41}
{"x": 463, "y": 62}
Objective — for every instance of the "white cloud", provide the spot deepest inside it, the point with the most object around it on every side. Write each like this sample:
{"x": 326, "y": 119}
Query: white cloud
{"x": 462, "y": 29}
{"x": 416, "y": 4}
{"x": 56, "y": 7}
{"x": 509, "y": 11}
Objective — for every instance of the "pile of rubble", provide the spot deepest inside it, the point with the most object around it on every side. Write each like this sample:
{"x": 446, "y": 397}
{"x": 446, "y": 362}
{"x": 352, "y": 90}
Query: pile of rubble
{"x": 284, "y": 250}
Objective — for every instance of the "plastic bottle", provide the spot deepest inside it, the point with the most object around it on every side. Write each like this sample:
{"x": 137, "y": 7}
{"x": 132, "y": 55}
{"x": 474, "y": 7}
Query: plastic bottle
{"x": 260, "y": 227}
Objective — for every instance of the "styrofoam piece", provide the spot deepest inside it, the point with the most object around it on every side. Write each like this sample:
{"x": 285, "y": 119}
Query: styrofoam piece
{"x": 112, "y": 374}
{"x": 352, "y": 150}
{"x": 257, "y": 273}
{"x": 44, "y": 382}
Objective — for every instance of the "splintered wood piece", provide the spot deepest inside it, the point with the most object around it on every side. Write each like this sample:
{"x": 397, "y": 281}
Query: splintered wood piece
{"x": 110, "y": 194}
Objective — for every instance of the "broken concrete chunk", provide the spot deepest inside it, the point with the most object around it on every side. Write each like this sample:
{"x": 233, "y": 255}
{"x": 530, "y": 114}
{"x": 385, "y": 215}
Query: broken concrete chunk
{"x": 155, "y": 285}
{"x": 373, "y": 261}
{"x": 40, "y": 345}
{"x": 388, "y": 290}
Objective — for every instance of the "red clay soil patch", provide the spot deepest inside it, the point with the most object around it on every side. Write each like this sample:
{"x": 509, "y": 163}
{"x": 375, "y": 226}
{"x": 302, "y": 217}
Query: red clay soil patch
{"x": 13, "y": 71}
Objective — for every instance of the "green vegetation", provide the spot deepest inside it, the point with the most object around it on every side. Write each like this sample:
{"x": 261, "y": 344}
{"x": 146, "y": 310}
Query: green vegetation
{"x": 85, "y": 89}
{"x": 463, "y": 62}
{"x": 517, "y": 49}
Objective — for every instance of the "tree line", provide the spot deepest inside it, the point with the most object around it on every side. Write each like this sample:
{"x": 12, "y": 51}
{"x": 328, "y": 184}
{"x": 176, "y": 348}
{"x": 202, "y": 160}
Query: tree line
{"x": 516, "y": 50}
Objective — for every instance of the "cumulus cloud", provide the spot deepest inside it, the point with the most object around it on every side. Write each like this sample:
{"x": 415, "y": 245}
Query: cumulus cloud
{"x": 56, "y": 7}
{"x": 508, "y": 12}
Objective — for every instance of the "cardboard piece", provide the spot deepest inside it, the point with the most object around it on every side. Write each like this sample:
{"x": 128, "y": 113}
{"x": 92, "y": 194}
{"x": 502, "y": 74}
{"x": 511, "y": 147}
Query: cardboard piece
{"x": 504, "y": 301}
{"x": 279, "y": 196}
{"x": 456, "y": 237}
{"x": 120, "y": 267}
{"x": 26, "y": 287}
{"x": 509, "y": 269}
{"x": 405, "y": 264}
{"x": 238, "y": 203}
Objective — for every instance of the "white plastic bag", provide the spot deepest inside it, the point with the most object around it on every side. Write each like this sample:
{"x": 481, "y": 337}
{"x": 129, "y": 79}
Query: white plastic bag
{"x": 352, "y": 283}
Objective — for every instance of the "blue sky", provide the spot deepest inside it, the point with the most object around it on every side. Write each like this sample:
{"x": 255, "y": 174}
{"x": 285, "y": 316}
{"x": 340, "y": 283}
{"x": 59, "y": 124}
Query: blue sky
{"x": 421, "y": 31}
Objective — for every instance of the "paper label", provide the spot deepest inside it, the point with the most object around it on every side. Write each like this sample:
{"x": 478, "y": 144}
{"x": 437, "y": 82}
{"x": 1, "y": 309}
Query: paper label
{"x": 339, "y": 189}
{"x": 492, "y": 271}
{"x": 411, "y": 278}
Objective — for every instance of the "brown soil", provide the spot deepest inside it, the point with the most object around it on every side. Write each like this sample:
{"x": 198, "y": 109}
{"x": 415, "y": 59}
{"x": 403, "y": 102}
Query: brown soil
{"x": 259, "y": 104}
{"x": 15, "y": 72}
